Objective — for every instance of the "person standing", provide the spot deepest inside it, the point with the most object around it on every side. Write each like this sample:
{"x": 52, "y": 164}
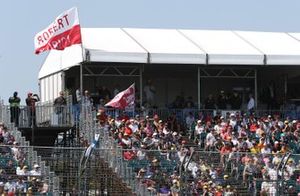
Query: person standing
{"x": 76, "y": 99}
{"x": 150, "y": 92}
{"x": 30, "y": 103}
{"x": 14, "y": 103}
{"x": 251, "y": 104}
{"x": 60, "y": 104}
{"x": 222, "y": 101}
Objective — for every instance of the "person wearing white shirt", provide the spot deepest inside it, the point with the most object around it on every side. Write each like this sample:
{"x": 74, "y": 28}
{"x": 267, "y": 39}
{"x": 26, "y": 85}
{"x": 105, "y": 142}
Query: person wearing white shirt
{"x": 150, "y": 92}
{"x": 266, "y": 149}
{"x": 251, "y": 103}
{"x": 189, "y": 120}
{"x": 210, "y": 140}
{"x": 36, "y": 170}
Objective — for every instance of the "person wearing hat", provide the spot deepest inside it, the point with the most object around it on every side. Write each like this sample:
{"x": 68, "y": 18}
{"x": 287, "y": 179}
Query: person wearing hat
{"x": 14, "y": 106}
{"x": 36, "y": 170}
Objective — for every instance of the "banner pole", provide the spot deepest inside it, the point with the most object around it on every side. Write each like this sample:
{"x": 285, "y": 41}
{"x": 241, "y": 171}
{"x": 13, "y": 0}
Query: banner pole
{"x": 83, "y": 57}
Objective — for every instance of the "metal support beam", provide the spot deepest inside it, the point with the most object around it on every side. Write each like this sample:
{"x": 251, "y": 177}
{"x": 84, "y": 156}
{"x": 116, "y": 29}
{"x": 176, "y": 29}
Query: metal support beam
{"x": 227, "y": 73}
{"x": 199, "y": 88}
{"x": 255, "y": 87}
{"x": 141, "y": 85}
{"x": 81, "y": 78}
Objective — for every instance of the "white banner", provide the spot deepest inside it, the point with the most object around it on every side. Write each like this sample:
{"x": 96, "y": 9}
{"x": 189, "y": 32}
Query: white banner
{"x": 62, "y": 33}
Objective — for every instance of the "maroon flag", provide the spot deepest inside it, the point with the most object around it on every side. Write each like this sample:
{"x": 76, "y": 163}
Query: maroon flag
{"x": 62, "y": 33}
{"x": 123, "y": 99}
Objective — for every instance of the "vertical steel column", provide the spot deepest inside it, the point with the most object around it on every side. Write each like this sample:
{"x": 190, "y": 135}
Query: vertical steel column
{"x": 255, "y": 87}
{"x": 199, "y": 88}
{"x": 141, "y": 85}
{"x": 81, "y": 78}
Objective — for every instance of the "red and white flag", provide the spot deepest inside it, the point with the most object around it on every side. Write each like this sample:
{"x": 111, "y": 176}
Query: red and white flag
{"x": 123, "y": 99}
{"x": 62, "y": 33}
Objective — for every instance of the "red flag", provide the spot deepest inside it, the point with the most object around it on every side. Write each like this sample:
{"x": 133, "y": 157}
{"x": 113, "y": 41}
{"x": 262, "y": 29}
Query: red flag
{"x": 62, "y": 33}
{"x": 123, "y": 99}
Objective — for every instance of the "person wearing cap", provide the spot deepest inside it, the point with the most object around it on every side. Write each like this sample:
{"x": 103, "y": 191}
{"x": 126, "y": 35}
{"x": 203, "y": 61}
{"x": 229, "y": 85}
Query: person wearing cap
{"x": 36, "y": 170}
{"x": 14, "y": 106}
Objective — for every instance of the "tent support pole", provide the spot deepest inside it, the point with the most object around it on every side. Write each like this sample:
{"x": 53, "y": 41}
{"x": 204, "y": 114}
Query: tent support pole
{"x": 255, "y": 87}
{"x": 141, "y": 85}
{"x": 81, "y": 78}
{"x": 199, "y": 86}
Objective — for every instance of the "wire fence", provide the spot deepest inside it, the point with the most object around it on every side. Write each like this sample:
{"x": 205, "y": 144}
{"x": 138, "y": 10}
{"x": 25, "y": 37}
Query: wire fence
{"x": 111, "y": 170}
{"x": 22, "y": 170}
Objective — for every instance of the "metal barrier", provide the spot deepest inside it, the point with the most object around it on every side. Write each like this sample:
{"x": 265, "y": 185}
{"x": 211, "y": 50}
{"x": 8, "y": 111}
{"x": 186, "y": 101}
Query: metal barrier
{"x": 181, "y": 114}
{"x": 44, "y": 116}
{"x": 244, "y": 173}
{"x": 22, "y": 154}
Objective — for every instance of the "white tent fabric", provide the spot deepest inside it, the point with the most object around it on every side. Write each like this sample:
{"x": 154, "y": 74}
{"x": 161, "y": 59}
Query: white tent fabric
{"x": 112, "y": 45}
{"x": 279, "y": 48}
{"x": 172, "y": 46}
{"x": 58, "y": 60}
{"x": 225, "y": 47}
{"x": 168, "y": 46}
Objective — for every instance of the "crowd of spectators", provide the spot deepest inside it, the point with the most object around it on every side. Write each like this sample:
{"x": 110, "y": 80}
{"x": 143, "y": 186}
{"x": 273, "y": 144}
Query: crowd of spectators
{"x": 246, "y": 147}
{"x": 16, "y": 176}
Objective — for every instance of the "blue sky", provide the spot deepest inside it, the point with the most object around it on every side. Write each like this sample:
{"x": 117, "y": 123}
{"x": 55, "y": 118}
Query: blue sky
{"x": 21, "y": 20}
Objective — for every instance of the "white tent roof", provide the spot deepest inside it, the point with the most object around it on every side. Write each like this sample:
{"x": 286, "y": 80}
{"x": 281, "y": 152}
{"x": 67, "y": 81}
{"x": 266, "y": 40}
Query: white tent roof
{"x": 168, "y": 46}
{"x": 178, "y": 47}
{"x": 279, "y": 48}
{"x": 225, "y": 47}
{"x": 112, "y": 45}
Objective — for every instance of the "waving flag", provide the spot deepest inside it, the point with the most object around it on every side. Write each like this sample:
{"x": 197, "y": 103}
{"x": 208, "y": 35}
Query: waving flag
{"x": 62, "y": 33}
{"x": 123, "y": 99}
{"x": 88, "y": 152}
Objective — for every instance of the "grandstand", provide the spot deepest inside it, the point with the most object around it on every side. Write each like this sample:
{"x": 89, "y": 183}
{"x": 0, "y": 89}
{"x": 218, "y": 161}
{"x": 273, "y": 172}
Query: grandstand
{"x": 160, "y": 160}
{"x": 166, "y": 146}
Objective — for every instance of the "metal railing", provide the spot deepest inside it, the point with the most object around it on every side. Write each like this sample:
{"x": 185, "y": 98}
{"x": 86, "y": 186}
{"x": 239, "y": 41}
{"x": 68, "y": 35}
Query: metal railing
{"x": 26, "y": 155}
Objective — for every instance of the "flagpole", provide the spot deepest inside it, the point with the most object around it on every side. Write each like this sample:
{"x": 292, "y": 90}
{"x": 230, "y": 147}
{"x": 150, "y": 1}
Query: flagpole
{"x": 81, "y": 90}
{"x": 83, "y": 57}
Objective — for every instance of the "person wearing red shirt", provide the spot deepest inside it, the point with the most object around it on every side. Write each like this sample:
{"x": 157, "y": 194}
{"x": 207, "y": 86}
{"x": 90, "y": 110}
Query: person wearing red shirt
{"x": 225, "y": 150}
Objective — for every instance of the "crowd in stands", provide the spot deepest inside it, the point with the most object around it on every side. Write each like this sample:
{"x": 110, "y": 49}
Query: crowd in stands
{"x": 16, "y": 176}
{"x": 246, "y": 147}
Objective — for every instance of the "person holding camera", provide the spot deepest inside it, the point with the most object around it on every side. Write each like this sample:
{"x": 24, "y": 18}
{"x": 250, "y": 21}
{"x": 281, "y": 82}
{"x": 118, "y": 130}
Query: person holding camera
{"x": 30, "y": 103}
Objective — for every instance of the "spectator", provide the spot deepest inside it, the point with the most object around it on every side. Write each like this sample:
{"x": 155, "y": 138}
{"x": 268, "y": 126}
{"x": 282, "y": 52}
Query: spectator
{"x": 60, "y": 108}
{"x": 14, "y": 102}
{"x": 76, "y": 99}
{"x": 236, "y": 101}
{"x": 30, "y": 103}
{"x": 222, "y": 100}
{"x": 150, "y": 92}
{"x": 251, "y": 104}
{"x": 36, "y": 170}
{"x": 210, "y": 103}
